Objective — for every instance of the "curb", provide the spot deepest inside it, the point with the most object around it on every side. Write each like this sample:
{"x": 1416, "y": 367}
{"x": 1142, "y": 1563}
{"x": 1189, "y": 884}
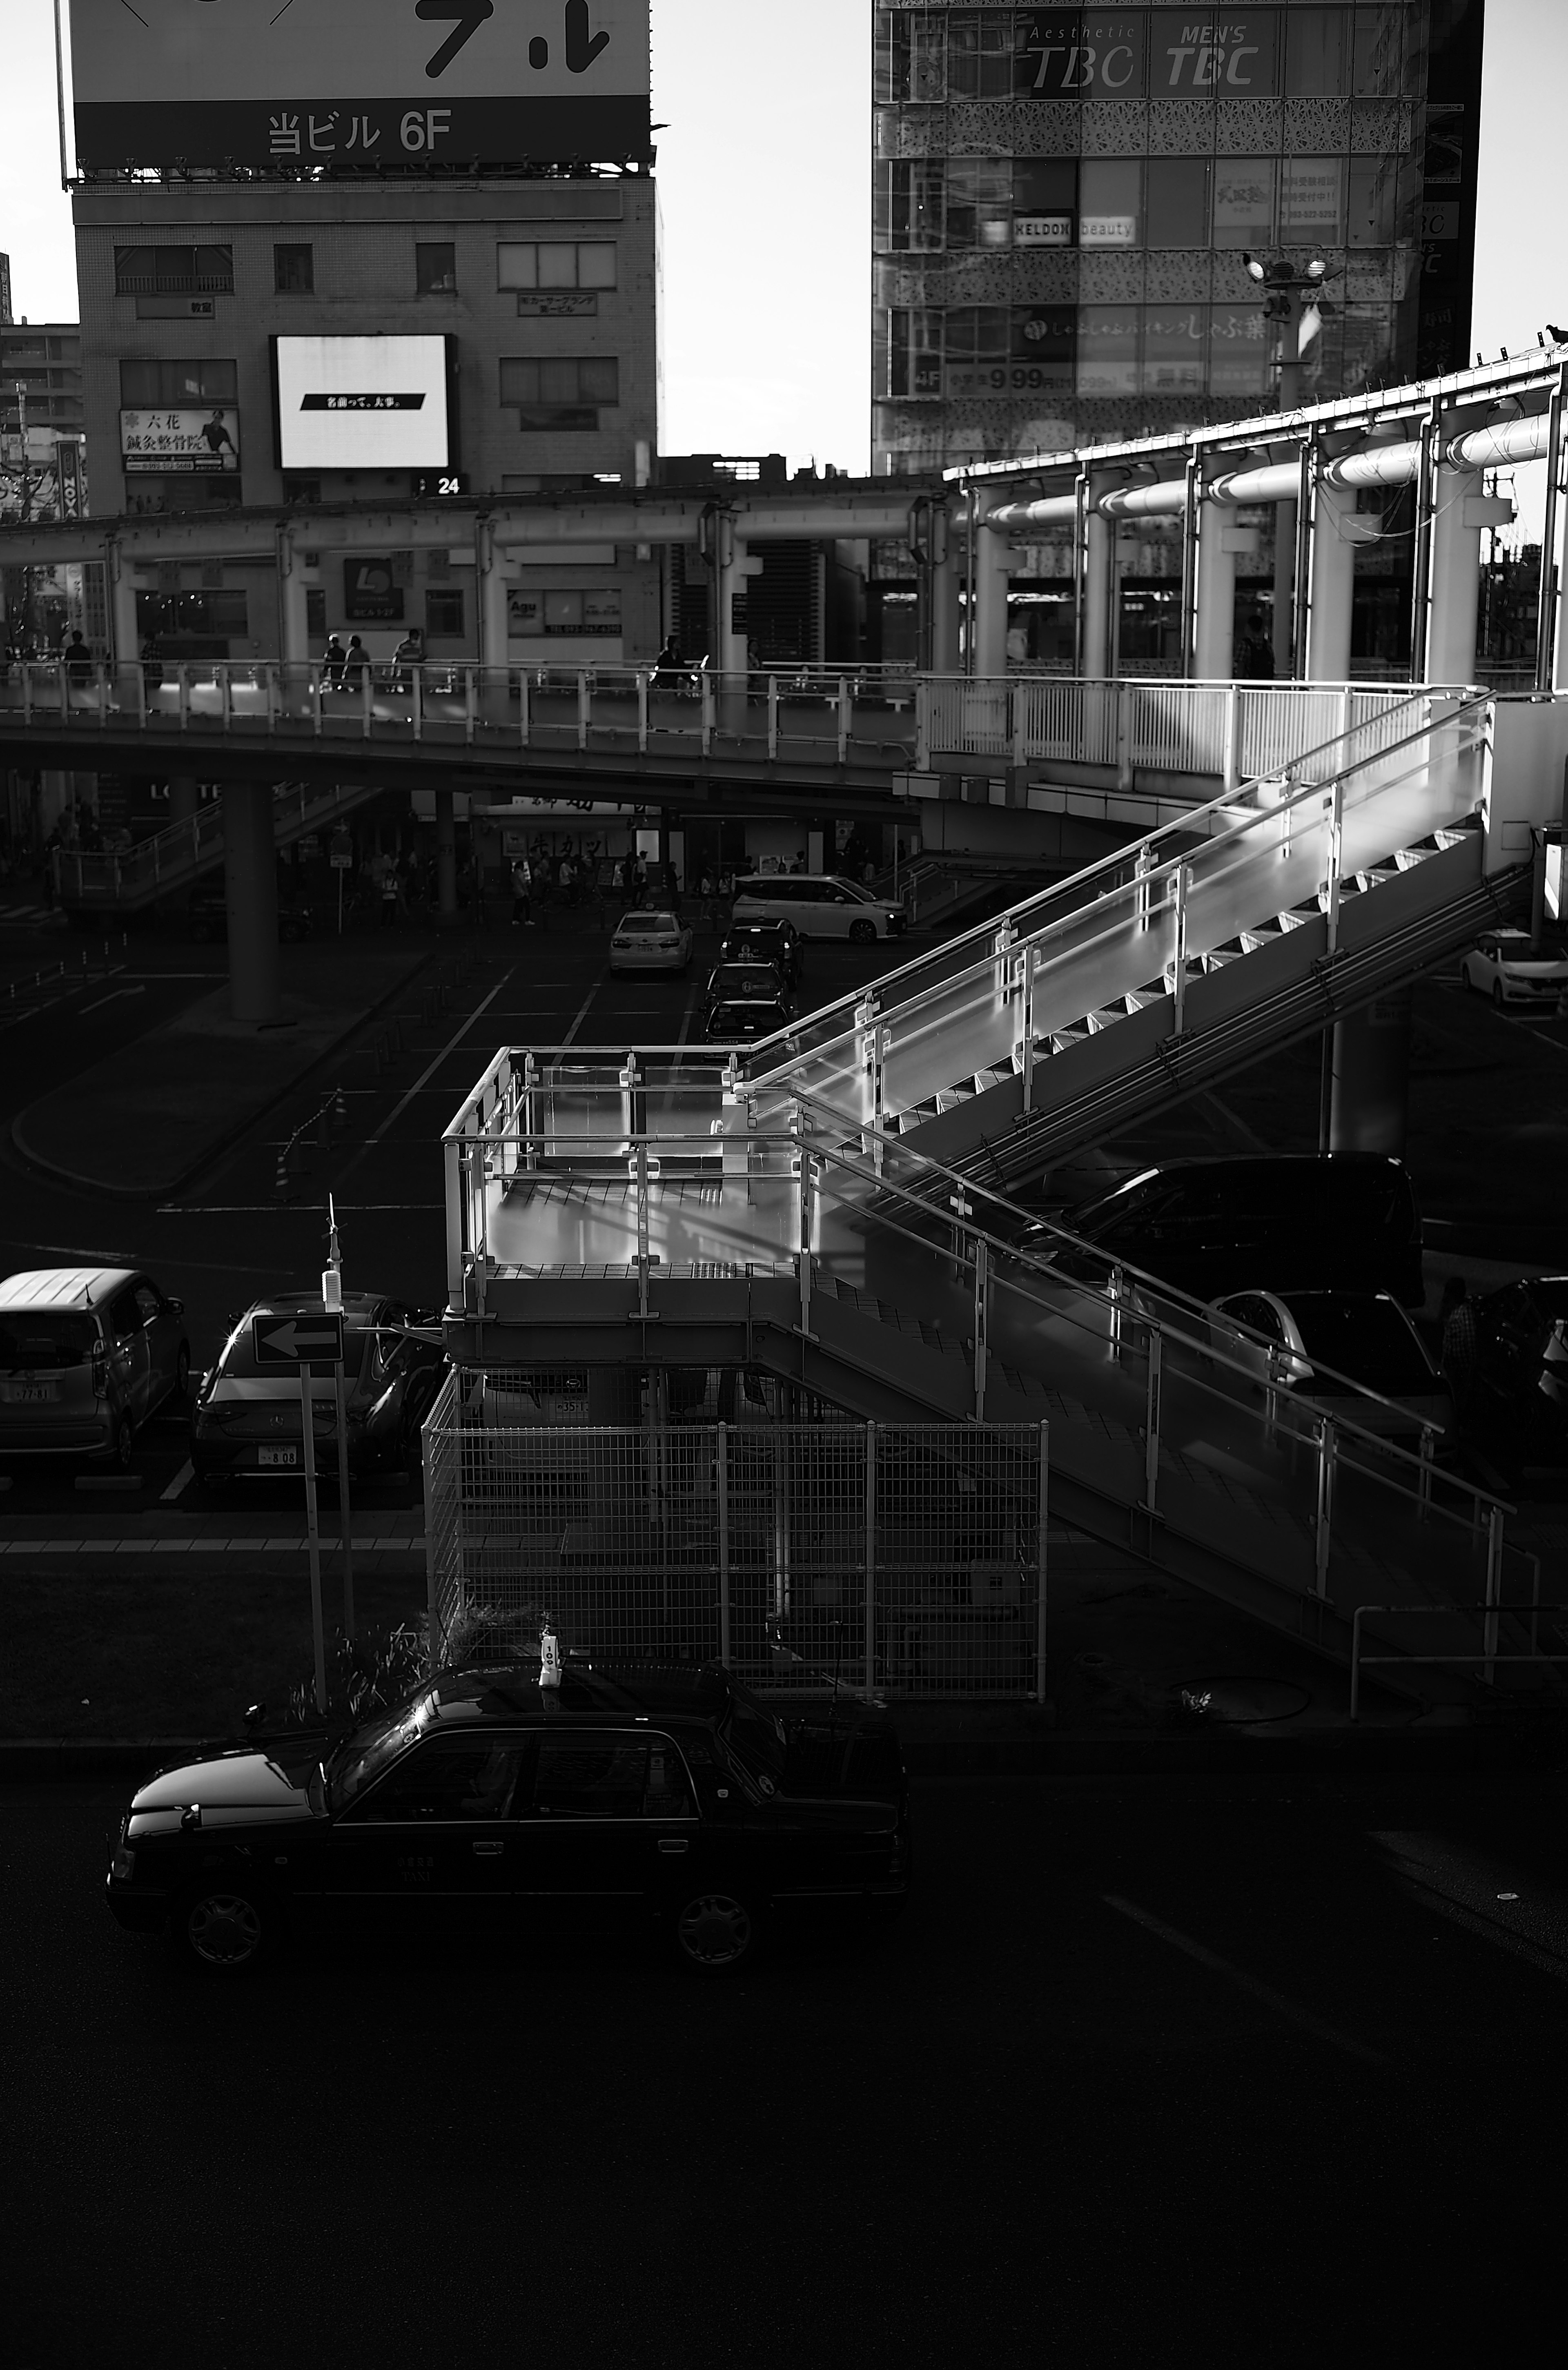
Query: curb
{"x": 217, "y": 1144}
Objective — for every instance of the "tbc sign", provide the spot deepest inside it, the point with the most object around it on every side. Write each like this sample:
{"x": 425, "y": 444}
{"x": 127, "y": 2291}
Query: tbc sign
{"x": 295, "y": 1341}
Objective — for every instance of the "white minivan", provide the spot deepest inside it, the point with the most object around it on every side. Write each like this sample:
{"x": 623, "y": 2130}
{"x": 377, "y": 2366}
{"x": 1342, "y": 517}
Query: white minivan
{"x": 819, "y": 904}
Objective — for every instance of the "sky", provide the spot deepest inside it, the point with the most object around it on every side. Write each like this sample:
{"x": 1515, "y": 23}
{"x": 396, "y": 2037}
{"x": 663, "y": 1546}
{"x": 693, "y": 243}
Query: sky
{"x": 764, "y": 191}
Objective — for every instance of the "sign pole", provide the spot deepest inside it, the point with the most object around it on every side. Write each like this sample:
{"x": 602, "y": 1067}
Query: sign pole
{"x": 307, "y": 1423}
{"x": 344, "y": 1521}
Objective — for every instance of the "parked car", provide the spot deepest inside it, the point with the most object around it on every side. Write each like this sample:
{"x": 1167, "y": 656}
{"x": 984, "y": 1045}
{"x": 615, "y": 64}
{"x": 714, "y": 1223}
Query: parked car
{"x": 208, "y": 917}
{"x": 86, "y": 1355}
{"x": 1303, "y": 1221}
{"x": 634, "y": 1798}
{"x": 657, "y": 941}
{"x": 777, "y": 941}
{"x": 747, "y": 1021}
{"x": 820, "y": 905}
{"x": 1514, "y": 1399}
{"x": 1507, "y": 966}
{"x": 745, "y": 982}
{"x": 1364, "y": 1335}
{"x": 246, "y": 1418}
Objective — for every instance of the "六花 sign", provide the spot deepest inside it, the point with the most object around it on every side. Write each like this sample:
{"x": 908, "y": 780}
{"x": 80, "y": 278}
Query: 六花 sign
{"x": 203, "y": 438}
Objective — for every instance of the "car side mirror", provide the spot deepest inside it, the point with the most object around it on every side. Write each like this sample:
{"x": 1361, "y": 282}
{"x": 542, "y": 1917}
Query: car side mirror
{"x": 176, "y": 1307}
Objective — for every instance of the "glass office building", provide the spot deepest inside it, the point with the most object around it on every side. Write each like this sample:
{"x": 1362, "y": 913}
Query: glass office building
{"x": 1063, "y": 199}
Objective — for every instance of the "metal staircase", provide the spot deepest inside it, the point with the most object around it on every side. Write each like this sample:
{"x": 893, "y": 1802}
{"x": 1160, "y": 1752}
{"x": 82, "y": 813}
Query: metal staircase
{"x": 126, "y": 881}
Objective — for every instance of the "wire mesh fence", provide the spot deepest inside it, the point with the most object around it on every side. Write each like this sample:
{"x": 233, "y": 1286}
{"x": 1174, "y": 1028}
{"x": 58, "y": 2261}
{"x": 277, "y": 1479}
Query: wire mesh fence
{"x": 907, "y": 1559}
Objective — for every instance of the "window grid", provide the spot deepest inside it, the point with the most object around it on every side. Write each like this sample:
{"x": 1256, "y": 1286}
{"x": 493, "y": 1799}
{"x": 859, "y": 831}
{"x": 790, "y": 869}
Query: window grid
{"x": 533, "y": 264}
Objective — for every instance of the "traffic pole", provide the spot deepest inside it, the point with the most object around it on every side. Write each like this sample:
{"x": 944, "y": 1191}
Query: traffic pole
{"x": 312, "y": 1530}
{"x": 344, "y": 1520}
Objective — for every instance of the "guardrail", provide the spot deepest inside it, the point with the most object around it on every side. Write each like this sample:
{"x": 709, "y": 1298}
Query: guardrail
{"x": 1485, "y": 1656}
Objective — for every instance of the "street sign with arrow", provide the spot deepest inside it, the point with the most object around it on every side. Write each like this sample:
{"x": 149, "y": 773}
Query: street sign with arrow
{"x": 293, "y": 1341}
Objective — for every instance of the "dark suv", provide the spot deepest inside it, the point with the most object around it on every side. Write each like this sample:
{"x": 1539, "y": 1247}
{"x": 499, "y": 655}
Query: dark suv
{"x": 670, "y": 1800}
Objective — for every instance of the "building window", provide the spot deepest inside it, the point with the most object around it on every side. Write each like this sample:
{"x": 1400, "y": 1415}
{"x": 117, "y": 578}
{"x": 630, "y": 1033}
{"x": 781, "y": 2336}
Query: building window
{"x": 909, "y": 206}
{"x": 1107, "y": 349}
{"x": 443, "y": 613}
{"x": 979, "y": 202}
{"x": 556, "y": 264}
{"x": 294, "y": 271}
{"x": 435, "y": 268}
{"x": 1244, "y": 202}
{"x": 560, "y": 392}
{"x": 173, "y": 270}
{"x": 177, "y": 621}
{"x": 1176, "y": 198}
{"x": 559, "y": 613}
{"x": 151, "y": 385}
{"x": 1109, "y": 201}
{"x": 1311, "y": 201}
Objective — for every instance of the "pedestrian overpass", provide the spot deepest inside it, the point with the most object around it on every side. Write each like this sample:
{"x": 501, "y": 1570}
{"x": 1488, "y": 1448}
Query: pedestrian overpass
{"x": 830, "y": 1210}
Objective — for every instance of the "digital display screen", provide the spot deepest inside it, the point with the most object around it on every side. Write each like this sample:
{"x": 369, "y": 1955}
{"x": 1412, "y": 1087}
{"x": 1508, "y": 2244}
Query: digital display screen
{"x": 363, "y": 403}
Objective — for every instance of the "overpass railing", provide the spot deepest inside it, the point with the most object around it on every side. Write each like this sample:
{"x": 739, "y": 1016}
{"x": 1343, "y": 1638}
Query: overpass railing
{"x": 880, "y": 716}
{"x": 171, "y": 858}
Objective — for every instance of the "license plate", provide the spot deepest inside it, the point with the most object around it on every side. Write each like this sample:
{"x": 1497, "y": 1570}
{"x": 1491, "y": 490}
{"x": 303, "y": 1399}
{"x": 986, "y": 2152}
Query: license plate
{"x": 277, "y": 1456}
{"x": 29, "y": 1393}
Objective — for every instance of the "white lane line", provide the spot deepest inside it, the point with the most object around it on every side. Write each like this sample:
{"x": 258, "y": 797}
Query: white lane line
{"x": 1287, "y": 2008}
{"x": 113, "y": 995}
{"x": 582, "y": 1008}
{"x": 425, "y": 1076}
{"x": 279, "y": 1210}
{"x": 186, "y": 1474}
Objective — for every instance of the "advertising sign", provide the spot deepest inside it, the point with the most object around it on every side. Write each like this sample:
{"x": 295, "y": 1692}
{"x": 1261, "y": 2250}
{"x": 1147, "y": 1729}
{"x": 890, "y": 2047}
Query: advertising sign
{"x": 1098, "y": 53}
{"x": 1229, "y": 56}
{"x": 364, "y": 82}
{"x": 188, "y": 439}
{"x": 362, "y": 403}
{"x": 372, "y": 596}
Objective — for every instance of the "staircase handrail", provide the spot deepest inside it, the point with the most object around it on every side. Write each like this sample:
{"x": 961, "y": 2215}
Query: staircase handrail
{"x": 1124, "y": 863}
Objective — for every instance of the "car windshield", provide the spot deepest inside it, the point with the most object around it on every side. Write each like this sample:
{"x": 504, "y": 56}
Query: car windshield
{"x": 1367, "y": 1336}
{"x": 44, "y": 1337}
{"x": 738, "y": 979}
{"x": 754, "y": 1735}
{"x": 640, "y": 922}
{"x": 362, "y": 1757}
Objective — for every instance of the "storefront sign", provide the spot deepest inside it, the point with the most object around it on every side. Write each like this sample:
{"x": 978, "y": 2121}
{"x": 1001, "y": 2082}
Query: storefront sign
{"x": 371, "y": 595}
{"x": 1043, "y": 230}
{"x": 190, "y": 439}
{"x": 1224, "y": 56}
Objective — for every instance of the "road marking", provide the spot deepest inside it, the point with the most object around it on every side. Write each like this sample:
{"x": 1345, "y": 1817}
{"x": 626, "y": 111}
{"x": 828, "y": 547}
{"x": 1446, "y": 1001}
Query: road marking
{"x": 186, "y": 1475}
{"x": 582, "y": 1008}
{"x": 425, "y": 1075}
{"x": 277, "y": 1210}
{"x": 1287, "y": 2008}
{"x": 114, "y": 994}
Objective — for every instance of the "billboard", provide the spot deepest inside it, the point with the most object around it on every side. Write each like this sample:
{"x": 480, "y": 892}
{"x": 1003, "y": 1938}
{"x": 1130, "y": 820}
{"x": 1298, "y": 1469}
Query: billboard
{"x": 358, "y": 83}
{"x": 184, "y": 439}
{"x": 363, "y": 403}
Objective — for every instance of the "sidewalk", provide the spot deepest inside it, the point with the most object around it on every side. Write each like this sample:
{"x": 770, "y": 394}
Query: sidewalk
{"x": 136, "y": 1128}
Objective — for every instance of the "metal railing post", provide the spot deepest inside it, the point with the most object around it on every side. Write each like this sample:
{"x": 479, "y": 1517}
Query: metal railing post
{"x": 707, "y": 712}
{"x": 470, "y": 715}
{"x": 1027, "y": 1000}
{"x": 1179, "y": 899}
{"x": 584, "y": 708}
{"x": 522, "y": 716}
{"x": 805, "y": 1250}
{"x": 1335, "y": 804}
{"x": 1123, "y": 736}
{"x": 1116, "y": 1287}
{"x": 722, "y": 1483}
{"x": 870, "y": 1599}
{"x": 415, "y": 713}
{"x": 225, "y": 699}
{"x": 772, "y": 716}
{"x": 922, "y": 726}
{"x": 315, "y": 702}
{"x": 1151, "y": 1420}
{"x": 1493, "y": 1583}
{"x": 642, "y": 711}
{"x": 846, "y": 717}
{"x": 367, "y": 704}
{"x": 1356, "y": 1661}
{"x": 1328, "y": 1445}
{"x": 1042, "y": 1543}
{"x": 183, "y": 693}
{"x": 643, "y": 1228}
{"x": 1232, "y": 761}
{"x": 982, "y": 1297}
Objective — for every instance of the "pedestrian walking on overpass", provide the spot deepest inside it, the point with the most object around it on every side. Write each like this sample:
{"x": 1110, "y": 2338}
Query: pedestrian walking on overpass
{"x": 356, "y": 665}
{"x": 333, "y": 660}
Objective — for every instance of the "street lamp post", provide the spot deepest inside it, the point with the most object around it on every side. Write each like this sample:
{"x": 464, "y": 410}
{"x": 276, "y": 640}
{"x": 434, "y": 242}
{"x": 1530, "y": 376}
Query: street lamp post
{"x": 1292, "y": 300}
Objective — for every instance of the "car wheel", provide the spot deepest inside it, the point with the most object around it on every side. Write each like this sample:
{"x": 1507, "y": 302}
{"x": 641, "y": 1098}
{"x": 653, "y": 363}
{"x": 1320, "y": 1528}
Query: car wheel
{"x": 714, "y": 1934}
{"x": 182, "y": 1372}
{"x": 120, "y": 1454}
{"x": 226, "y": 1929}
{"x": 1465, "y": 979}
{"x": 862, "y": 934}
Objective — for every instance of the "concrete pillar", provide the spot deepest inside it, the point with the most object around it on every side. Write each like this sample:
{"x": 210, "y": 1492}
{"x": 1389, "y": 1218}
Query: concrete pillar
{"x": 293, "y": 626}
{"x": 490, "y": 593}
{"x": 123, "y": 601}
{"x": 1370, "y": 1101}
{"x": 184, "y": 797}
{"x": 445, "y": 858}
{"x": 947, "y": 576}
{"x": 726, "y": 646}
{"x": 1331, "y": 580}
{"x": 993, "y": 563}
{"x": 1214, "y": 636}
{"x": 1098, "y": 575}
{"x": 250, "y": 889}
{"x": 1454, "y": 584}
{"x": 1284, "y": 591}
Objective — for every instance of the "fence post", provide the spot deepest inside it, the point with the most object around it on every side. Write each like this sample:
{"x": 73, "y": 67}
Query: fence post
{"x": 584, "y": 708}
{"x": 1335, "y": 805}
{"x": 805, "y": 1238}
{"x": 1493, "y": 1581}
{"x": 721, "y": 1473}
{"x": 1232, "y": 737}
{"x": 982, "y": 1286}
{"x": 772, "y": 716}
{"x": 469, "y": 705}
{"x": 367, "y": 704}
{"x": 846, "y": 711}
{"x": 415, "y": 713}
{"x": 922, "y": 725}
{"x": 1327, "y": 1448}
{"x": 1151, "y": 1420}
{"x": 1027, "y": 997}
{"x": 1043, "y": 1536}
{"x": 706, "y": 711}
{"x": 1123, "y": 736}
{"x": 523, "y": 709}
{"x": 642, "y": 1229}
{"x": 1179, "y": 898}
{"x": 643, "y": 711}
{"x": 870, "y": 1638}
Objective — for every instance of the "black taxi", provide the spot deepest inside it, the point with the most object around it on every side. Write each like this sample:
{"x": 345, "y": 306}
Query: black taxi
{"x": 671, "y": 1799}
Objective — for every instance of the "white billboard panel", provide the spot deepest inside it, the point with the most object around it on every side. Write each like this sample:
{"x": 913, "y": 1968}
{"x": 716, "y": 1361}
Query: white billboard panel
{"x": 362, "y": 403}
{"x": 360, "y": 82}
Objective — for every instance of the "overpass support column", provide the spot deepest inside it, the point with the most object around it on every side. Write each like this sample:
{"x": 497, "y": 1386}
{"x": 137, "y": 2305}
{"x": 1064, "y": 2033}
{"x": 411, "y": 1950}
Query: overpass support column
{"x": 993, "y": 560}
{"x": 294, "y": 628}
{"x": 1214, "y": 639}
{"x": 1459, "y": 512}
{"x": 946, "y": 577}
{"x": 1330, "y": 585}
{"x": 492, "y": 593}
{"x": 122, "y": 598}
{"x": 250, "y": 889}
{"x": 445, "y": 858}
{"x": 1098, "y": 570}
{"x": 1370, "y": 1100}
